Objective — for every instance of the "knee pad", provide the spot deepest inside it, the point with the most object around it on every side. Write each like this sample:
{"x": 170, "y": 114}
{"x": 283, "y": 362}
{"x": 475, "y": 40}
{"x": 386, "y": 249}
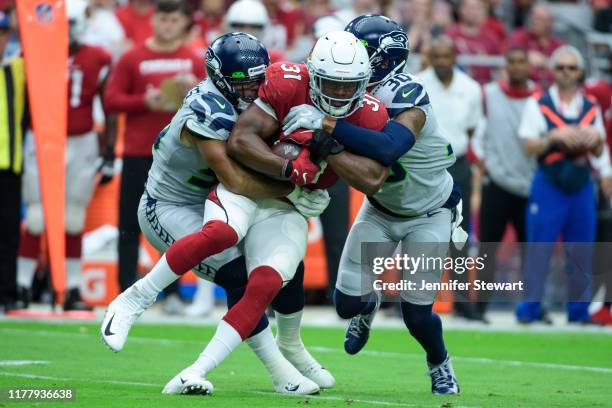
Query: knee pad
{"x": 75, "y": 219}
{"x": 348, "y": 306}
{"x": 291, "y": 298}
{"x": 34, "y": 219}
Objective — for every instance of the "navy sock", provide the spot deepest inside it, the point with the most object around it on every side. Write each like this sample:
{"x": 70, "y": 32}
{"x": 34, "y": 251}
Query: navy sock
{"x": 290, "y": 299}
{"x": 426, "y": 327}
{"x": 350, "y": 306}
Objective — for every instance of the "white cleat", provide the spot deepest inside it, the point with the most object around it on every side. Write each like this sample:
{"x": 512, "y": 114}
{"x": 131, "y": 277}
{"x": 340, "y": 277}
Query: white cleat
{"x": 320, "y": 375}
{"x": 308, "y": 366}
{"x": 188, "y": 383}
{"x": 297, "y": 386}
{"x": 121, "y": 315}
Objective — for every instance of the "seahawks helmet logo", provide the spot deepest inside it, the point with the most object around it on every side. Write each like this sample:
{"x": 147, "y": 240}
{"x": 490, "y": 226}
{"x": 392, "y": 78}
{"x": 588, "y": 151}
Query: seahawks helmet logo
{"x": 212, "y": 61}
{"x": 394, "y": 39}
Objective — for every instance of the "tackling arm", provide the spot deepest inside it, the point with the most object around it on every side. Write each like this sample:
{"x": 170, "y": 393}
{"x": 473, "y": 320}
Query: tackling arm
{"x": 247, "y": 142}
{"x": 237, "y": 178}
{"x": 361, "y": 173}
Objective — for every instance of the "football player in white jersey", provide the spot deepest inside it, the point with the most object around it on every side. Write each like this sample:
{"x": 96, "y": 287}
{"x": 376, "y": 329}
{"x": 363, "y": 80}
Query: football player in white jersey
{"x": 415, "y": 208}
{"x": 189, "y": 159}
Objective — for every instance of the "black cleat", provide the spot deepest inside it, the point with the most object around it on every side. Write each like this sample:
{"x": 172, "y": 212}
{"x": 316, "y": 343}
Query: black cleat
{"x": 73, "y": 301}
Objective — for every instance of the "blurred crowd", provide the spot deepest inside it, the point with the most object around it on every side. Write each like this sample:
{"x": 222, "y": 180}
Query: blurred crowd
{"x": 480, "y": 60}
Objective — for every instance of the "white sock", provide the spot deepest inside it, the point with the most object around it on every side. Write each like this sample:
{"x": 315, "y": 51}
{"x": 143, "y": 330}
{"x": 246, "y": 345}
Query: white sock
{"x": 225, "y": 340}
{"x": 73, "y": 273}
{"x": 204, "y": 297}
{"x": 289, "y": 340}
{"x": 264, "y": 346}
{"x": 160, "y": 277}
{"x": 26, "y": 267}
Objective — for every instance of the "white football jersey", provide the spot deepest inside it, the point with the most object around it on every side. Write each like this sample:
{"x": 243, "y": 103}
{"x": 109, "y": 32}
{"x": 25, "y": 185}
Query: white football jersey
{"x": 179, "y": 173}
{"x": 418, "y": 182}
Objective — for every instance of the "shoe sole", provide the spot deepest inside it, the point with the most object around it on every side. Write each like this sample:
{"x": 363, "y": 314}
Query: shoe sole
{"x": 195, "y": 389}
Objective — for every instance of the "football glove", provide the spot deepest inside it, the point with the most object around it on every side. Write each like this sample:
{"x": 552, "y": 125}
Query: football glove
{"x": 322, "y": 145}
{"x": 303, "y": 117}
{"x": 301, "y": 170}
{"x": 309, "y": 203}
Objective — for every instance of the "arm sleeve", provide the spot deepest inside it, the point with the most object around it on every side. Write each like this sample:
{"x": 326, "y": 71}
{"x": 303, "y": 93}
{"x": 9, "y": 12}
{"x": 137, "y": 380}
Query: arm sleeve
{"x": 117, "y": 96}
{"x": 602, "y": 163}
{"x": 599, "y": 124}
{"x": 533, "y": 124}
{"x": 385, "y": 146}
{"x": 211, "y": 117}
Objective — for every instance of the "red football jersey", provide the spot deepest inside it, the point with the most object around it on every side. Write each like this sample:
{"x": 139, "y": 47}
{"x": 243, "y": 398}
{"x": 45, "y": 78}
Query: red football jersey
{"x": 287, "y": 86}
{"x": 84, "y": 74}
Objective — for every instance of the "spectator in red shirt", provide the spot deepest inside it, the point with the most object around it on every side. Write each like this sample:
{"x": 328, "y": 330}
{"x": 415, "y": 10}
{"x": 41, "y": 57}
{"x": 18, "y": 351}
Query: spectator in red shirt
{"x": 135, "y": 88}
{"x": 538, "y": 39}
{"x": 135, "y": 17}
{"x": 472, "y": 37}
{"x": 493, "y": 23}
{"x": 208, "y": 20}
{"x": 285, "y": 23}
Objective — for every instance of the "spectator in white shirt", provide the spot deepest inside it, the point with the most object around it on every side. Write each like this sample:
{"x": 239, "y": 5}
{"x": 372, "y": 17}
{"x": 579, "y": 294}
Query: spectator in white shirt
{"x": 564, "y": 129}
{"x": 456, "y": 98}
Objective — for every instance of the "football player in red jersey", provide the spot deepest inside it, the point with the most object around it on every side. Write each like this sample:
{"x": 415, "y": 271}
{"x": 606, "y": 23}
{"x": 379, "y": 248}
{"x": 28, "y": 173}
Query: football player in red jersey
{"x": 88, "y": 67}
{"x": 230, "y": 218}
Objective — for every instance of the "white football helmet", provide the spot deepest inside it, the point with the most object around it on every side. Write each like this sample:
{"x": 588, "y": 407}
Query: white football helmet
{"x": 339, "y": 69}
{"x": 76, "y": 10}
{"x": 249, "y": 16}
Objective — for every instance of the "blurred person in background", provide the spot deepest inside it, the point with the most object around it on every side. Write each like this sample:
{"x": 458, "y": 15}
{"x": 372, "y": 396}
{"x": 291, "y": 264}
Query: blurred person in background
{"x": 472, "y": 37}
{"x": 601, "y": 90}
{"x": 148, "y": 84}
{"x": 415, "y": 16}
{"x": 135, "y": 17}
{"x": 453, "y": 91}
{"x": 285, "y": 24}
{"x": 492, "y": 22}
{"x": 104, "y": 28}
{"x": 602, "y": 19}
{"x": 208, "y": 20}
{"x": 564, "y": 129}
{"x": 538, "y": 39}
{"x": 251, "y": 17}
{"x": 357, "y": 8}
{"x": 87, "y": 70}
{"x": 507, "y": 168}
{"x": 13, "y": 46}
{"x": 15, "y": 118}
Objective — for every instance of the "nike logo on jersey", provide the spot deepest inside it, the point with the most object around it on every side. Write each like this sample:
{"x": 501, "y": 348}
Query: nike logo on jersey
{"x": 407, "y": 94}
{"x": 222, "y": 106}
{"x": 107, "y": 331}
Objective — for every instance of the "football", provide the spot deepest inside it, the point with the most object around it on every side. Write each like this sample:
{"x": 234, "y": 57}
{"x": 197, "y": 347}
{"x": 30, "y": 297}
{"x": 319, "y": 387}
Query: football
{"x": 286, "y": 149}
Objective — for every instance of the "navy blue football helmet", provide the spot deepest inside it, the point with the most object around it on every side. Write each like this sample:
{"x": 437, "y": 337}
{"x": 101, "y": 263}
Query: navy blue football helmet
{"x": 236, "y": 63}
{"x": 386, "y": 42}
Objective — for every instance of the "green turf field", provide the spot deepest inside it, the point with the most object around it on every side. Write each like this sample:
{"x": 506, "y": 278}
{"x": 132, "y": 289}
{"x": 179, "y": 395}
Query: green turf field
{"x": 495, "y": 369}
